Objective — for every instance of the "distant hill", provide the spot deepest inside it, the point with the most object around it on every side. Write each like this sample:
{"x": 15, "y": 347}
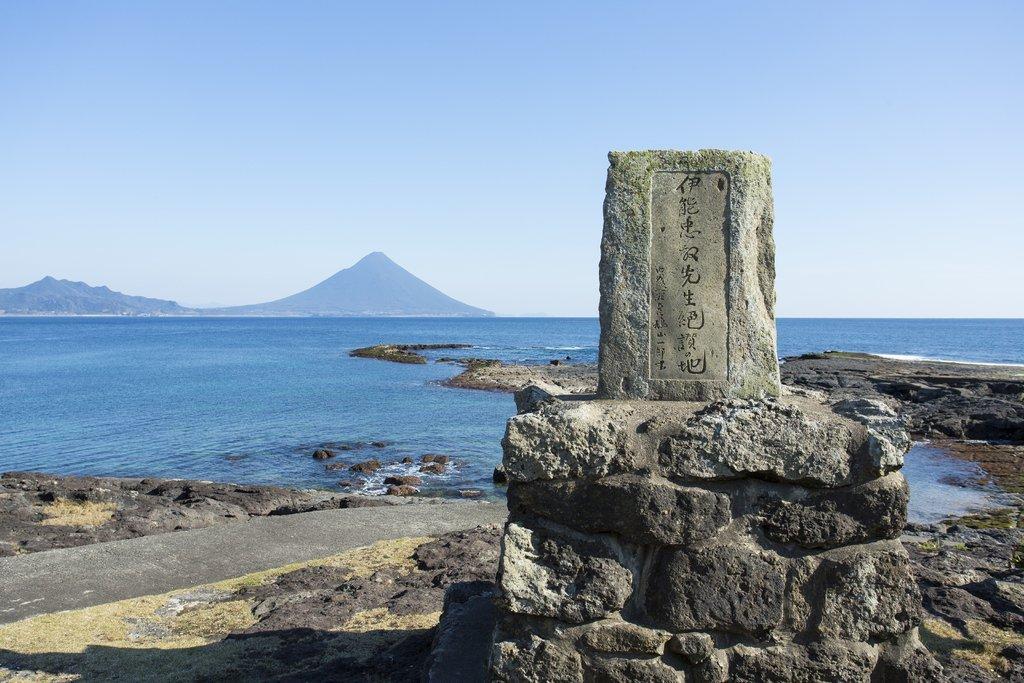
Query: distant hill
{"x": 64, "y": 297}
{"x": 375, "y": 285}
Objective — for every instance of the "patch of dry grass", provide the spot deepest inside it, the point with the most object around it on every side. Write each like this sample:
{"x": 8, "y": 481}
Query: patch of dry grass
{"x": 360, "y": 561}
{"x": 63, "y": 512}
{"x": 132, "y": 640}
{"x": 980, "y": 643}
{"x": 380, "y": 619}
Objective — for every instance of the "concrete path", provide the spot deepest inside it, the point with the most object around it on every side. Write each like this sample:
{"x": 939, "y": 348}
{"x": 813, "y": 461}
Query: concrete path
{"x": 72, "y": 578}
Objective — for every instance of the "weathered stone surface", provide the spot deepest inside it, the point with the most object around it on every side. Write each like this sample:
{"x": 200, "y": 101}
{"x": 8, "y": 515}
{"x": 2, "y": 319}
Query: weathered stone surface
{"x": 714, "y": 669}
{"x": 568, "y": 439}
{"x": 733, "y": 588}
{"x": 694, "y": 647}
{"x": 534, "y": 661}
{"x": 936, "y": 399}
{"x": 623, "y": 637}
{"x": 826, "y": 661}
{"x": 651, "y": 220}
{"x": 795, "y": 439}
{"x": 868, "y": 593}
{"x": 906, "y": 660}
{"x": 888, "y": 441}
{"x": 531, "y": 397}
{"x": 462, "y": 642}
{"x": 572, "y": 579}
{"x": 835, "y": 517}
{"x": 641, "y": 509}
{"x": 619, "y": 669}
{"x": 656, "y": 536}
{"x": 707, "y": 664}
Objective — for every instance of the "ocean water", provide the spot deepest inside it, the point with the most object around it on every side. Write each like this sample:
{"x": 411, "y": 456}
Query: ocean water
{"x": 249, "y": 399}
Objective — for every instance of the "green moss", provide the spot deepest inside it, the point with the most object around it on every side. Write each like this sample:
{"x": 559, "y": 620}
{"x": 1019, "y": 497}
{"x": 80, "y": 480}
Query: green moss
{"x": 1007, "y": 518}
{"x": 928, "y": 547}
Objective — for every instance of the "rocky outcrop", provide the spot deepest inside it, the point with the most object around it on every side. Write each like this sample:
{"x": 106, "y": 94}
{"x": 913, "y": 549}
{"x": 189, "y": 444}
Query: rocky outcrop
{"x": 42, "y": 511}
{"x": 732, "y": 540}
{"x": 935, "y": 399}
{"x": 564, "y": 378}
{"x": 402, "y": 353}
{"x": 938, "y": 400}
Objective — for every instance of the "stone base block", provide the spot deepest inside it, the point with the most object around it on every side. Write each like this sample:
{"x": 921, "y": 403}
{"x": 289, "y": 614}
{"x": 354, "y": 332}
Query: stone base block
{"x": 737, "y": 540}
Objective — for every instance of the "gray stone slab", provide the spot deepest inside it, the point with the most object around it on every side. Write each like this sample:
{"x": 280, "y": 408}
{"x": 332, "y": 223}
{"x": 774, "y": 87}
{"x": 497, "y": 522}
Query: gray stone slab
{"x": 688, "y": 277}
{"x": 72, "y": 578}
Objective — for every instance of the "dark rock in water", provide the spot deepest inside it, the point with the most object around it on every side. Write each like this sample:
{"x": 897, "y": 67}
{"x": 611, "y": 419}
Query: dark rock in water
{"x": 366, "y": 467}
{"x": 434, "y": 457}
{"x": 323, "y": 454}
{"x": 433, "y": 468}
{"x": 554, "y": 362}
{"x": 403, "y": 480}
{"x": 499, "y": 476}
{"x": 379, "y": 444}
{"x": 407, "y": 460}
{"x": 402, "y": 353}
{"x": 335, "y": 466}
{"x": 402, "y": 490}
{"x": 470, "y": 493}
{"x": 347, "y": 483}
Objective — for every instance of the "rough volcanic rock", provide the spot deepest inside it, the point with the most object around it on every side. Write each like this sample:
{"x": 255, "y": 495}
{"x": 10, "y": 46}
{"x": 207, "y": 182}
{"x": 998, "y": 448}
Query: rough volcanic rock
{"x": 703, "y": 582}
{"x": 638, "y": 508}
{"x": 551, "y": 575}
{"x": 816, "y": 662}
{"x": 868, "y": 593}
{"x": 832, "y": 517}
{"x": 41, "y": 511}
{"x": 623, "y": 637}
{"x": 534, "y": 660}
{"x": 935, "y": 399}
{"x": 567, "y": 439}
{"x": 796, "y": 440}
{"x": 366, "y": 467}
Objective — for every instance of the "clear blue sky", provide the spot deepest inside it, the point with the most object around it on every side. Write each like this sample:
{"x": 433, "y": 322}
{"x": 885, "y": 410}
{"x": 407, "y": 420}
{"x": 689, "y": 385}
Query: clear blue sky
{"x": 234, "y": 152}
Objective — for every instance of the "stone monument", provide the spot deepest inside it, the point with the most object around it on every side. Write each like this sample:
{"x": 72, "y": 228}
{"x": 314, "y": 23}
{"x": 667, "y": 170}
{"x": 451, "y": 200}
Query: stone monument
{"x": 694, "y": 522}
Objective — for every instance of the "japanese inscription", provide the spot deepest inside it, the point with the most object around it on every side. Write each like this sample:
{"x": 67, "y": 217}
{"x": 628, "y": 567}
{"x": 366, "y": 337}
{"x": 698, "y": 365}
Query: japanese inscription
{"x": 689, "y": 268}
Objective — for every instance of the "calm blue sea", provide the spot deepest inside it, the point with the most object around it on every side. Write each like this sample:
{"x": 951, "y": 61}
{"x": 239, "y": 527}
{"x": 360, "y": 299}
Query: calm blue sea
{"x": 248, "y": 399}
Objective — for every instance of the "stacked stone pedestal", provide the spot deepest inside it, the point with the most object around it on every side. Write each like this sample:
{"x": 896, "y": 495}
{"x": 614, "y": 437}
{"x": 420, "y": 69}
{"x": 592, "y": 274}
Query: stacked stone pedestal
{"x": 741, "y": 540}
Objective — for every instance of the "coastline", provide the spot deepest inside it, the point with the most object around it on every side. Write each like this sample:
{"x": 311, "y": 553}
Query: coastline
{"x": 969, "y": 568}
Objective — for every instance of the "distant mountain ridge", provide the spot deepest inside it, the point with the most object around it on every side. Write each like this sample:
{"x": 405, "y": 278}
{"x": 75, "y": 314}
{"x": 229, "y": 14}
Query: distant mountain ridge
{"x": 374, "y": 286}
{"x": 65, "y": 297}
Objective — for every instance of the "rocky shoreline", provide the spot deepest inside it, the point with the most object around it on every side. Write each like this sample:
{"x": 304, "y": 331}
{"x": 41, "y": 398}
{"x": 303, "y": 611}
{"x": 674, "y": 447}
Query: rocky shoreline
{"x": 577, "y": 379}
{"x": 970, "y": 570}
{"x": 976, "y": 411}
{"x": 43, "y": 511}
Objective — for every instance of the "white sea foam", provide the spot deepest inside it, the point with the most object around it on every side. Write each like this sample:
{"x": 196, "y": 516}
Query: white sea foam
{"x": 908, "y": 357}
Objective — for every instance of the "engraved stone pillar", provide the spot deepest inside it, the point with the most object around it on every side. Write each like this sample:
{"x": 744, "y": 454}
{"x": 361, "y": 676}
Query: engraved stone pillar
{"x": 688, "y": 277}
{"x": 729, "y": 530}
